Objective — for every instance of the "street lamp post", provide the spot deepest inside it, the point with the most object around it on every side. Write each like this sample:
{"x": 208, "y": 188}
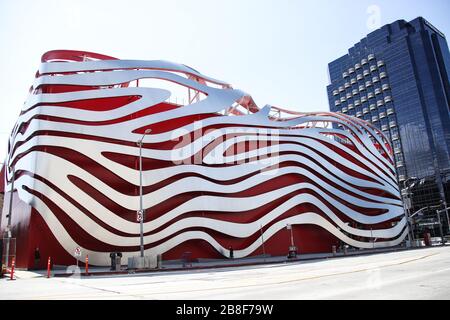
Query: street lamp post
{"x": 405, "y": 195}
{"x": 141, "y": 205}
{"x": 444, "y": 199}
{"x": 438, "y": 213}
{"x": 8, "y": 226}
{"x": 292, "y": 252}
{"x": 292, "y": 237}
{"x": 262, "y": 241}
{"x": 371, "y": 236}
{"x": 446, "y": 214}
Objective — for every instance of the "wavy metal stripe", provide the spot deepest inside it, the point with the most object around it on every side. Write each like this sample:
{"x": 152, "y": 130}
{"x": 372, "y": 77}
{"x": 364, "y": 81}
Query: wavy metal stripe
{"x": 308, "y": 145}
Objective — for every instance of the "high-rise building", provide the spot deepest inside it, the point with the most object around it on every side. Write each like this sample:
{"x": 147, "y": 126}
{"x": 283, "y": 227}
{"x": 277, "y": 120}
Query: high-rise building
{"x": 397, "y": 78}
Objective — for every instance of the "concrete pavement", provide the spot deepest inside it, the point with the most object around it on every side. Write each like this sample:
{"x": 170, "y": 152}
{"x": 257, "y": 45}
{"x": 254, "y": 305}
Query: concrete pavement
{"x": 412, "y": 274}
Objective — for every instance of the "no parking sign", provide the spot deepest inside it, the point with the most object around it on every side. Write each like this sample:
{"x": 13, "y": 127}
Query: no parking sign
{"x": 77, "y": 252}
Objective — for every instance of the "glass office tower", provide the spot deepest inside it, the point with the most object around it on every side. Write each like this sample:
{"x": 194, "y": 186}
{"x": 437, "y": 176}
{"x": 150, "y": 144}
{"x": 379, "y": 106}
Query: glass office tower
{"x": 397, "y": 78}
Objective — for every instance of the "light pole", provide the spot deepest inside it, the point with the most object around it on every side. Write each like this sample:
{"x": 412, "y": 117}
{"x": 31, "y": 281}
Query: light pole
{"x": 292, "y": 253}
{"x": 141, "y": 205}
{"x": 8, "y": 227}
{"x": 262, "y": 241}
{"x": 438, "y": 212}
{"x": 371, "y": 236}
{"x": 445, "y": 174}
{"x": 292, "y": 235}
{"x": 407, "y": 204}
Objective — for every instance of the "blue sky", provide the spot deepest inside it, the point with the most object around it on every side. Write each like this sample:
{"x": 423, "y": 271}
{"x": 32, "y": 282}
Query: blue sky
{"x": 277, "y": 51}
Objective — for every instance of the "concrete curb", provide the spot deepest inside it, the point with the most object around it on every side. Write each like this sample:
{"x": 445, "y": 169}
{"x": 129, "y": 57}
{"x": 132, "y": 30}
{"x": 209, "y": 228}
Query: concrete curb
{"x": 243, "y": 264}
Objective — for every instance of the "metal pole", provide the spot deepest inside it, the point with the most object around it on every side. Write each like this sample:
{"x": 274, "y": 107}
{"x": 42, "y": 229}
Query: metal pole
{"x": 445, "y": 204}
{"x": 141, "y": 211}
{"x": 262, "y": 240}
{"x": 8, "y": 238}
{"x": 410, "y": 226}
{"x": 446, "y": 214}
{"x": 408, "y": 219}
{"x": 141, "y": 204}
{"x": 448, "y": 221}
{"x": 438, "y": 212}
{"x": 405, "y": 207}
{"x": 442, "y": 193}
{"x": 438, "y": 172}
{"x": 406, "y": 204}
{"x": 292, "y": 237}
{"x": 371, "y": 236}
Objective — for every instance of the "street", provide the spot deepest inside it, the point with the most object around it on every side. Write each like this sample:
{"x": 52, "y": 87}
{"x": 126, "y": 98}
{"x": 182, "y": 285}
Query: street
{"x": 414, "y": 274}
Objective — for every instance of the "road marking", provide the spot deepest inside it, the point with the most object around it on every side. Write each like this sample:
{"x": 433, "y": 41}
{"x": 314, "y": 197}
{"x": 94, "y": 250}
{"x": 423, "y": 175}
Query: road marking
{"x": 146, "y": 295}
{"x": 287, "y": 281}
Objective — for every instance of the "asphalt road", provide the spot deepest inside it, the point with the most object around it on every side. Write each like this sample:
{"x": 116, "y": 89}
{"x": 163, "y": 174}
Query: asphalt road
{"x": 414, "y": 274}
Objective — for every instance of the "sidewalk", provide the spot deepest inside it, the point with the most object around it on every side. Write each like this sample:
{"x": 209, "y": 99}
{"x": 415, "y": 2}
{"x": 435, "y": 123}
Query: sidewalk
{"x": 178, "y": 265}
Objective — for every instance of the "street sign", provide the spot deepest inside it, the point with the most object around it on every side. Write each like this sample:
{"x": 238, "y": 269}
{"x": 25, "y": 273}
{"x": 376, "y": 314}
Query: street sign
{"x": 139, "y": 216}
{"x": 77, "y": 252}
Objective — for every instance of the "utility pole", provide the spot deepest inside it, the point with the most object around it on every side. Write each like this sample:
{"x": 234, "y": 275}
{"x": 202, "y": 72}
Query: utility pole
{"x": 141, "y": 204}
{"x": 406, "y": 192}
{"x": 442, "y": 194}
{"x": 438, "y": 212}
{"x": 262, "y": 240}
{"x": 416, "y": 213}
{"x": 292, "y": 238}
{"x": 445, "y": 201}
{"x": 292, "y": 252}
{"x": 371, "y": 236}
{"x": 8, "y": 227}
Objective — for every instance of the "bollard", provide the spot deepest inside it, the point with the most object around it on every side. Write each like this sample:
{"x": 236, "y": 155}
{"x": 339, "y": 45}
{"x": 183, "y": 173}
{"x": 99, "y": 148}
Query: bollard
{"x": 48, "y": 267}
{"x": 13, "y": 263}
{"x": 87, "y": 264}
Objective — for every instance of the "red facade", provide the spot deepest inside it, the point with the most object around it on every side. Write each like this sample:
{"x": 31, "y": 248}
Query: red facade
{"x": 219, "y": 172}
